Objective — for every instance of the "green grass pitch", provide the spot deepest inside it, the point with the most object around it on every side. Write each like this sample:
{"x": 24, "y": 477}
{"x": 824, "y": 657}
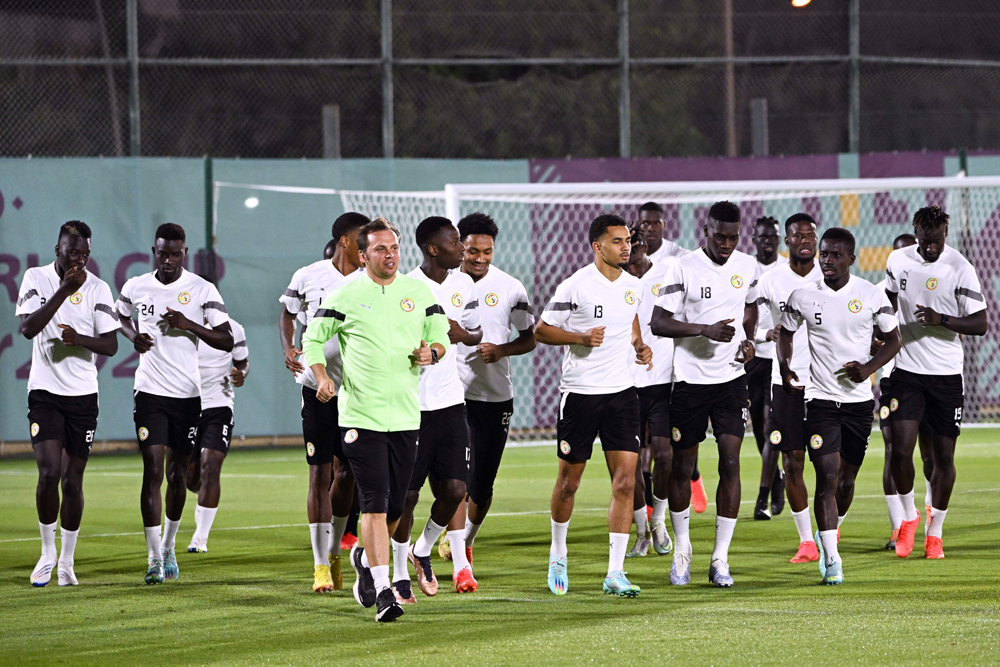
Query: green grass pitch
{"x": 249, "y": 600}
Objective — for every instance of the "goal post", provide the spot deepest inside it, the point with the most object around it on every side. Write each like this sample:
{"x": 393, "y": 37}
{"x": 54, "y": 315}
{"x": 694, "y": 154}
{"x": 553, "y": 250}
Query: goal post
{"x": 543, "y": 240}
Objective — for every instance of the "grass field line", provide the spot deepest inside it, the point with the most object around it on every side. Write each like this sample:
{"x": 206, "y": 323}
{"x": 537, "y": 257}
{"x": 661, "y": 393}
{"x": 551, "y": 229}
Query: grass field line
{"x": 493, "y": 514}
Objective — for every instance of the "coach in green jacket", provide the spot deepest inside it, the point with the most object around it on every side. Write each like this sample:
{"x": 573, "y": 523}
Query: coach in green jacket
{"x": 388, "y": 326}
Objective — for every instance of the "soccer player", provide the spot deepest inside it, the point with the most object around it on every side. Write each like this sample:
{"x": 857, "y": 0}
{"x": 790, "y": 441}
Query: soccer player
{"x": 840, "y": 314}
{"x": 171, "y": 304}
{"x": 703, "y": 294}
{"x": 389, "y": 326}
{"x": 485, "y": 368}
{"x": 67, "y": 314}
{"x": 331, "y": 482}
{"x": 937, "y": 296}
{"x": 772, "y": 479}
{"x": 653, "y": 388}
{"x": 444, "y": 451}
{"x": 594, "y": 314}
{"x": 785, "y": 421}
{"x": 892, "y": 501}
{"x": 651, "y": 226}
{"x": 220, "y": 373}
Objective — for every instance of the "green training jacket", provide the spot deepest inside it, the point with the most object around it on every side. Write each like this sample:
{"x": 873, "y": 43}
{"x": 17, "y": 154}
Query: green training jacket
{"x": 378, "y": 328}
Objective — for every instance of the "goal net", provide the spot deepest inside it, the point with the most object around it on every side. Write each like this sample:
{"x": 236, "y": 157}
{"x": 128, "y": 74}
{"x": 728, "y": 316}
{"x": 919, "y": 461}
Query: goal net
{"x": 543, "y": 240}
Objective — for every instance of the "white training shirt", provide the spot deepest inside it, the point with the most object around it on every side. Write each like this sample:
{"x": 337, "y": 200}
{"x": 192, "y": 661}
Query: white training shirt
{"x": 440, "y": 385}
{"x": 586, "y": 300}
{"x": 698, "y": 290}
{"x": 951, "y": 287}
{"x": 887, "y": 369}
{"x": 214, "y": 365}
{"x": 764, "y": 348}
{"x": 306, "y": 291}
{"x": 668, "y": 250}
{"x": 773, "y": 290}
{"x": 503, "y": 307}
{"x": 663, "y": 348}
{"x": 170, "y": 368}
{"x": 840, "y": 325}
{"x": 65, "y": 370}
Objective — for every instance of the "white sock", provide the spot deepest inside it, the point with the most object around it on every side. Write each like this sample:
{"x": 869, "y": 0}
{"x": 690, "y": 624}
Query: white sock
{"x": 803, "y": 524}
{"x": 616, "y": 556}
{"x": 426, "y": 541}
{"x": 364, "y": 559}
{"x": 380, "y": 573}
{"x": 641, "y": 524}
{"x": 682, "y": 540}
{"x": 316, "y": 532}
{"x": 68, "y": 545}
{"x": 170, "y": 532}
{"x": 48, "y": 531}
{"x": 927, "y": 492}
{"x": 829, "y": 540}
{"x": 724, "y": 527}
{"x": 659, "y": 511}
{"x": 559, "y": 530}
{"x": 204, "y": 517}
{"x": 399, "y": 556}
{"x": 471, "y": 530}
{"x": 457, "y": 540}
{"x": 153, "y": 542}
{"x": 909, "y": 509}
{"x": 338, "y": 526}
{"x": 895, "y": 510}
{"x": 840, "y": 520}
{"x": 937, "y": 522}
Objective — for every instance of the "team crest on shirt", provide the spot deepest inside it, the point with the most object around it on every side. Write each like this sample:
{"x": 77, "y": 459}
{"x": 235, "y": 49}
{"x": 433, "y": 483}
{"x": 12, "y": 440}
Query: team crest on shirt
{"x": 816, "y": 441}
{"x": 34, "y": 429}
{"x": 893, "y": 405}
{"x": 351, "y": 436}
{"x": 656, "y": 289}
{"x": 854, "y": 306}
{"x": 675, "y": 433}
{"x": 775, "y": 437}
{"x": 76, "y": 298}
{"x": 564, "y": 447}
{"x": 629, "y": 298}
{"x": 184, "y": 298}
{"x": 143, "y": 433}
{"x": 932, "y": 283}
{"x": 492, "y": 299}
{"x": 407, "y": 305}
{"x": 736, "y": 281}
{"x": 310, "y": 449}
{"x": 884, "y": 412}
{"x": 456, "y": 299}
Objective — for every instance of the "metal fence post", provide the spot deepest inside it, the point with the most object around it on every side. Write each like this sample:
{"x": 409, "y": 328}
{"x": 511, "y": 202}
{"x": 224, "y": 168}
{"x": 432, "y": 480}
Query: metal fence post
{"x": 388, "y": 142}
{"x": 727, "y": 27}
{"x": 132, "y": 26}
{"x": 624, "y": 100}
{"x": 758, "y": 127}
{"x": 854, "y": 87}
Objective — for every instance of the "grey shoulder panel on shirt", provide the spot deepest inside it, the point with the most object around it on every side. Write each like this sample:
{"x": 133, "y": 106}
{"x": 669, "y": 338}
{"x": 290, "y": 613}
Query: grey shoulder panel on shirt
{"x": 104, "y": 308}
{"x": 435, "y": 309}
{"x": 524, "y": 305}
{"x": 885, "y": 310}
{"x": 670, "y": 289}
{"x": 561, "y": 305}
{"x": 330, "y": 312}
{"x": 472, "y": 305}
{"x": 216, "y": 305}
{"x": 971, "y": 294}
{"x": 27, "y": 295}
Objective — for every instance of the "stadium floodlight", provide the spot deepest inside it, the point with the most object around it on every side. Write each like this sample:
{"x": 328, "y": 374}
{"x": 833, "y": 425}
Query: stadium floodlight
{"x": 251, "y": 202}
{"x": 800, "y": 3}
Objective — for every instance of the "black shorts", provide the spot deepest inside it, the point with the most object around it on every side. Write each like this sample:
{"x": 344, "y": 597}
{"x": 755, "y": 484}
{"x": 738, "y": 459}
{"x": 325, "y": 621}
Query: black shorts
{"x": 488, "y": 425}
{"x": 320, "y": 430}
{"x": 786, "y": 421}
{"x": 654, "y": 411}
{"x": 444, "y": 450}
{"x": 72, "y": 420}
{"x": 382, "y": 464}
{"x": 842, "y": 428}
{"x": 215, "y": 431}
{"x": 758, "y": 372}
{"x": 582, "y": 417}
{"x": 939, "y": 398}
{"x": 165, "y": 420}
{"x": 692, "y": 405}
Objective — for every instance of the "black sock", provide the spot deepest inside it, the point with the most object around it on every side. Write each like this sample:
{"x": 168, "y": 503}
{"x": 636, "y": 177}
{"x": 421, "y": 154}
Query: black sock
{"x": 763, "y": 494}
{"x": 647, "y": 478}
{"x": 695, "y": 476}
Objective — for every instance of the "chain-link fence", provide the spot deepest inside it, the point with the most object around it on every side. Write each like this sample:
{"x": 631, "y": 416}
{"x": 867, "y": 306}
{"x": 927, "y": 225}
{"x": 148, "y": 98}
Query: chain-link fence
{"x": 495, "y": 78}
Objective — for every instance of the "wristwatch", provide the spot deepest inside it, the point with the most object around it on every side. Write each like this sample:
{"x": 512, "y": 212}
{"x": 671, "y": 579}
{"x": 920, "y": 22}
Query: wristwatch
{"x": 434, "y": 356}
{"x": 944, "y": 320}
